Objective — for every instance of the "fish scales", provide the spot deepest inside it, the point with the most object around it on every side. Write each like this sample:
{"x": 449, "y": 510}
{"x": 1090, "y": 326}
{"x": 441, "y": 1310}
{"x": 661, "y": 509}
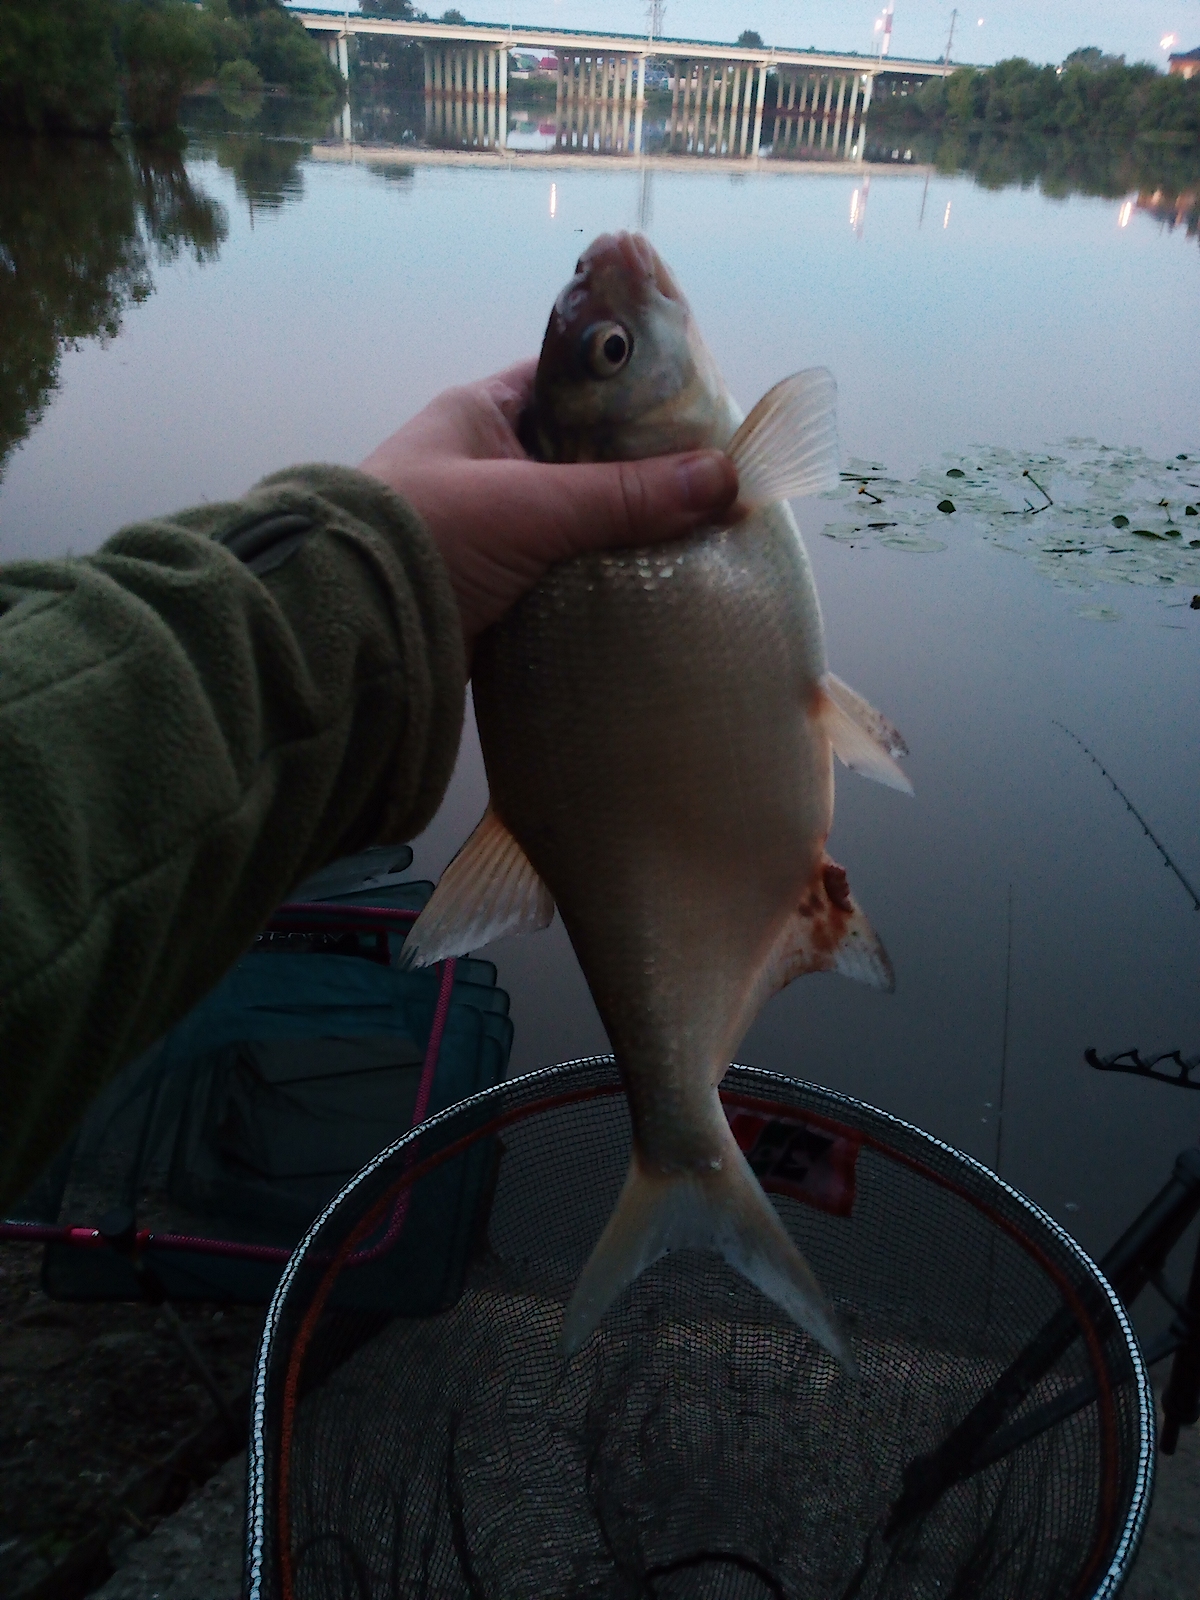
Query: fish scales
{"x": 658, "y": 727}
{"x": 686, "y": 781}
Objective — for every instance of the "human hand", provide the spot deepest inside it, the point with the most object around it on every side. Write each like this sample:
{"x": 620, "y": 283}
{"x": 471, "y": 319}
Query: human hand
{"x": 500, "y": 520}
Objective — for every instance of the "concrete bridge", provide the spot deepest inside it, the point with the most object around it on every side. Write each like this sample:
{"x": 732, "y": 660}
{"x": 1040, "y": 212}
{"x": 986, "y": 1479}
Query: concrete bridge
{"x": 719, "y": 92}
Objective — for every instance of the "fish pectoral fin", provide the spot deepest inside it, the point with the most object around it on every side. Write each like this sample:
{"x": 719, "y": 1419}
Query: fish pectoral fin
{"x": 722, "y": 1209}
{"x": 828, "y": 932}
{"x": 788, "y": 444}
{"x": 863, "y": 739}
{"x": 489, "y": 889}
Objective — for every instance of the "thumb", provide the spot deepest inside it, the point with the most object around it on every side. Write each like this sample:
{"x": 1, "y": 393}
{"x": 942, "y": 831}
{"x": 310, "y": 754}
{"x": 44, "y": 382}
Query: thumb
{"x": 606, "y": 505}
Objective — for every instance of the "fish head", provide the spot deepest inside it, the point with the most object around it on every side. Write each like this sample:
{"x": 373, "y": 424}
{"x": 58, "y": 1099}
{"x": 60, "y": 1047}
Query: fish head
{"x": 623, "y": 372}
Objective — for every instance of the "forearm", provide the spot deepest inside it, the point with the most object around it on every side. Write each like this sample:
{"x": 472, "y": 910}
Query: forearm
{"x": 187, "y": 728}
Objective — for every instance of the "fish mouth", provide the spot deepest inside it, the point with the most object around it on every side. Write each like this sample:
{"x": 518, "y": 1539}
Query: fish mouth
{"x": 627, "y": 259}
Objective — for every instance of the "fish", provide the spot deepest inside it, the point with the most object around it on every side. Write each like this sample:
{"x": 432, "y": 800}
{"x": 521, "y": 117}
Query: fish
{"x": 658, "y": 728}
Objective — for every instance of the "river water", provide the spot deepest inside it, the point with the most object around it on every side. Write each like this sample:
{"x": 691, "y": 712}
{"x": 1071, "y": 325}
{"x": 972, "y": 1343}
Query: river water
{"x": 281, "y": 302}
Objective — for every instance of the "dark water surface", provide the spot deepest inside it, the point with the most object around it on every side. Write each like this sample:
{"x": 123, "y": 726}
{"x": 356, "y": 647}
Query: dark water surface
{"x": 268, "y": 303}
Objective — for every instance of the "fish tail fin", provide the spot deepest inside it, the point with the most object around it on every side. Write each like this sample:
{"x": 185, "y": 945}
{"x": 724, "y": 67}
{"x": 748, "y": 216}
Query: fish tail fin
{"x": 723, "y": 1210}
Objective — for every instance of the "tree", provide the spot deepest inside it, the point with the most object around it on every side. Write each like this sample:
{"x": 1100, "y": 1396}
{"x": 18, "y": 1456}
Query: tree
{"x": 750, "y": 39}
{"x": 1090, "y": 59}
{"x": 167, "y": 52}
{"x": 284, "y": 53}
{"x": 58, "y": 72}
{"x": 962, "y": 97}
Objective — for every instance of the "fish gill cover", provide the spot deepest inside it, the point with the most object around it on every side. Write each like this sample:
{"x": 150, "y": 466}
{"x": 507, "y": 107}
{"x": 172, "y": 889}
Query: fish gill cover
{"x": 1085, "y": 514}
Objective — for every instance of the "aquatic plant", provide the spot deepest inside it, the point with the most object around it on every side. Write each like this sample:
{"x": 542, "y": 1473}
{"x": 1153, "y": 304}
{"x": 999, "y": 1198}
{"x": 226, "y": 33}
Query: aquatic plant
{"x": 1083, "y": 513}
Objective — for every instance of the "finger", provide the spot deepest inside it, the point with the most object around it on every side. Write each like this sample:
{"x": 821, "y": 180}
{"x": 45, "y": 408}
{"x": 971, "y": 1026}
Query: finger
{"x": 609, "y": 504}
{"x": 529, "y": 515}
{"x": 511, "y": 390}
{"x": 500, "y": 524}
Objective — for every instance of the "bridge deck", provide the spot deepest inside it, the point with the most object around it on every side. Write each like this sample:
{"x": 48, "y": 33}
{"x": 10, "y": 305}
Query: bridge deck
{"x": 496, "y": 34}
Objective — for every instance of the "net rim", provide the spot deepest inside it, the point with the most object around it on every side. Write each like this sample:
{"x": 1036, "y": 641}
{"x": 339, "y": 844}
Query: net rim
{"x": 1130, "y": 1536}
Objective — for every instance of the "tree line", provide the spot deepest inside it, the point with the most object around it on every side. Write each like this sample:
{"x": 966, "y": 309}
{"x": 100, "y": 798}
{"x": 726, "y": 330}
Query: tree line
{"x": 1092, "y": 95}
{"x": 80, "y": 66}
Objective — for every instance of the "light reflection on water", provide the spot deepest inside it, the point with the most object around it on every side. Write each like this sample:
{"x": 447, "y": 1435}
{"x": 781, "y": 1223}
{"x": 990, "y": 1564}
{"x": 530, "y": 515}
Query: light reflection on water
{"x": 348, "y": 291}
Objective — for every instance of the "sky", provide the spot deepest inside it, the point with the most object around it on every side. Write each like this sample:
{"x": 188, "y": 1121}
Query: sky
{"x": 1031, "y": 28}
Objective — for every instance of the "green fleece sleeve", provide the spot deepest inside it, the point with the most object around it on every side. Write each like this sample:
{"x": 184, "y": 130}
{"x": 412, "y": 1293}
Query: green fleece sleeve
{"x": 192, "y": 720}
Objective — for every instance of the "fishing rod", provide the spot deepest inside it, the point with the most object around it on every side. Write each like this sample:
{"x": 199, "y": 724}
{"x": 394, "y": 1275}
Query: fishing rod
{"x": 1146, "y": 828}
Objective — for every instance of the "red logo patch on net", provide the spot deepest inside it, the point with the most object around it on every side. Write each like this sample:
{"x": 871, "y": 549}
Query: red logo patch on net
{"x": 805, "y": 1157}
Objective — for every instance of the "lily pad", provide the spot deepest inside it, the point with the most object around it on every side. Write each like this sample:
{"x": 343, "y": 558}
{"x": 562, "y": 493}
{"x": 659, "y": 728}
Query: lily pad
{"x": 1120, "y": 522}
{"x": 946, "y": 505}
{"x": 956, "y": 472}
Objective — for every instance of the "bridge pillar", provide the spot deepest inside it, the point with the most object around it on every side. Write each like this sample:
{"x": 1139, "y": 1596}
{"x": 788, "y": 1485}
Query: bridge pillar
{"x": 502, "y": 109}
{"x": 850, "y": 110}
{"x": 825, "y": 111}
{"x": 343, "y": 56}
{"x": 744, "y": 127}
{"x": 641, "y": 105}
{"x": 860, "y": 148}
{"x": 837, "y": 117}
{"x": 760, "y": 89}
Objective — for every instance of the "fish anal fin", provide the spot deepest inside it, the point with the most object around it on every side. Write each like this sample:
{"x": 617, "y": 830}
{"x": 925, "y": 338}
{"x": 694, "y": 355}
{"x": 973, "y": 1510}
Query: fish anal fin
{"x": 828, "y": 932}
{"x": 862, "y": 738}
{"x": 787, "y": 446}
{"x": 720, "y": 1208}
{"x": 488, "y": 890}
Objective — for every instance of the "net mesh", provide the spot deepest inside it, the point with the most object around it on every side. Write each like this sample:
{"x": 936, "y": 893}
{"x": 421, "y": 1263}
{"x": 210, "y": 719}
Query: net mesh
{"x": 700, "y": 1444}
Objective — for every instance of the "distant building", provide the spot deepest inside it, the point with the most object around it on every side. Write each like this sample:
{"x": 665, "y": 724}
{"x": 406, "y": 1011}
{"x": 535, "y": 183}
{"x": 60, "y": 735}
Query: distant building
{"x": 1186, "y": 66}
{"x": 549, "y": 63}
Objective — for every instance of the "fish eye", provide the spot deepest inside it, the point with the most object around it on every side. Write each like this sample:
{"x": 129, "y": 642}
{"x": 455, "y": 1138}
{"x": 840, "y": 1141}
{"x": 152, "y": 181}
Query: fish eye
{"x": 607, "y": 347}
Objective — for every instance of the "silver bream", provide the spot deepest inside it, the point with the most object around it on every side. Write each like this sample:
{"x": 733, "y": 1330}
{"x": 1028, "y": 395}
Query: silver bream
{"x": 658, "y": 727}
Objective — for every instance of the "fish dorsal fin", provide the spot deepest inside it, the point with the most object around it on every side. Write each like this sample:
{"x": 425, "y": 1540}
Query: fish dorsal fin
{"x": 788, "y": 444}
{"x": 488, "y": 890}
{"x": 862, "y": 738}
{"x": 828, "y": 932}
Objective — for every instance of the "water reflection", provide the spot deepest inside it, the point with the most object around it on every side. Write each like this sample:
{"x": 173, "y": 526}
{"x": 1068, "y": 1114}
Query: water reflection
{"x": 81, "y": 223}
{"x": 466, "y": 97}
{"x": 717, "y": 109}
{"x": 1165, "y": 178}
{"x": 1177, "y": 208}
{"x": 266, "y": 146}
